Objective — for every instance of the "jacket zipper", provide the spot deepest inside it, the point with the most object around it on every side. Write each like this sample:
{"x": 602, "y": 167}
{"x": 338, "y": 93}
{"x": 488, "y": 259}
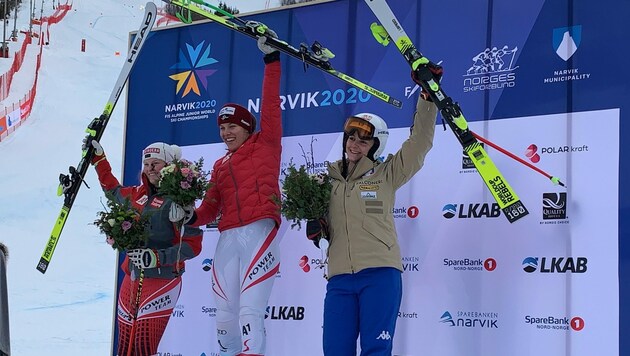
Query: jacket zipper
{"x": 238, "y": 205}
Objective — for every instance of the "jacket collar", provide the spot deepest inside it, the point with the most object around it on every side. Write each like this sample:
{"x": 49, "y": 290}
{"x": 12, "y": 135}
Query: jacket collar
{"x": 363, "y": 166}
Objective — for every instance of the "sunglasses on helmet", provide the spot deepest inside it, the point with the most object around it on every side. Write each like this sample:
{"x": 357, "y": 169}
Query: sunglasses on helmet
{"x": 363, "y": 128}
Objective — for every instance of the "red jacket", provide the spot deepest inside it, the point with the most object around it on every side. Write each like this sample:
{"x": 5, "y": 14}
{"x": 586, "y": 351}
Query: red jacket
{"x": 244, "y": 183}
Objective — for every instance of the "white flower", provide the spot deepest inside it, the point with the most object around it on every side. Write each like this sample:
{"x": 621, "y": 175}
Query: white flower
{"x": 111, "y": 222}
{"x": 320, "y": 177}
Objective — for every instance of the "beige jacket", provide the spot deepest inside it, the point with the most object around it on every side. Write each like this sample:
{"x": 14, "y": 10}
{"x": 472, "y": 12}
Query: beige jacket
{"x": 361, "y": 224}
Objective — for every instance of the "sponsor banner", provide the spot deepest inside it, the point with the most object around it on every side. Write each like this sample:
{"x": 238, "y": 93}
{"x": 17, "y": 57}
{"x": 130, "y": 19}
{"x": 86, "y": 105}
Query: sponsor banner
{"x": 13, "y": 118}
{"x": 547, "y": 284}
{"x": 3, "y": 126}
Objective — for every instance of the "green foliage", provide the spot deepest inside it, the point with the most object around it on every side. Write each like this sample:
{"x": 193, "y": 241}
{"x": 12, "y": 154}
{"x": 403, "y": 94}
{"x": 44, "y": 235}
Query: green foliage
{"x": 183, "y": 181}
{"x": 223, "y": 6}
{"x": 124, "y": 224}
{"x": 305, "y": 192}
{"x": 292, "y": 2}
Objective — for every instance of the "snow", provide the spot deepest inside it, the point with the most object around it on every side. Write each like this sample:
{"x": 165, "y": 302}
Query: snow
{"x": 70, "y": 309}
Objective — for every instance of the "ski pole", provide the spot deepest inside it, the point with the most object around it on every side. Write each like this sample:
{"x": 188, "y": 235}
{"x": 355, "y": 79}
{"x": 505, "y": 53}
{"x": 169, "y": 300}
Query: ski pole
{"x": 555, "y": 180}
{"x": 132, "y": 333}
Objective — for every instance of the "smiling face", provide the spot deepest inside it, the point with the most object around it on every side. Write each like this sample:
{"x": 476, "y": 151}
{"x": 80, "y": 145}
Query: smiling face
{"x": 151, "y": 167}
{"x": 233, "y": 135}
{"x": 357, "y": 147}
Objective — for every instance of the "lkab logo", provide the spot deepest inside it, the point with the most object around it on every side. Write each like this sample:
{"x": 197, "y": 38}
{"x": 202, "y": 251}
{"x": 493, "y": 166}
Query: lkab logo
{"x": 555, "y": 264}
{"x": 471, "y": 210}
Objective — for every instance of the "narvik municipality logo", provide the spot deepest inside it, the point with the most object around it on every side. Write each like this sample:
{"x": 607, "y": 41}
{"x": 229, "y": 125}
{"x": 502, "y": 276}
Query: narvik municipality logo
{"x": 193, "y": 69}
{"x": 566, "y": 41}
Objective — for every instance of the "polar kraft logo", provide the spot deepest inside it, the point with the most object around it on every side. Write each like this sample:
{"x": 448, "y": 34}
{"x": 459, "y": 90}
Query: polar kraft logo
{"x": 306, "y": 262}
{"x": 555, "y": 264}
{"x": 491, "y": 69}
{"x": 554, "y": 206}
{"x": 533, "y": 153}
{"x": 471, "y": 211}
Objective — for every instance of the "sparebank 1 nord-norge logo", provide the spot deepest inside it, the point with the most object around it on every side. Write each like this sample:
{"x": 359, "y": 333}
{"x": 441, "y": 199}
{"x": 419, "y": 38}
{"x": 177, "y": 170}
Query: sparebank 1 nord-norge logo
{"x": 193, "y": 66}
{"x": 566, "y": 41}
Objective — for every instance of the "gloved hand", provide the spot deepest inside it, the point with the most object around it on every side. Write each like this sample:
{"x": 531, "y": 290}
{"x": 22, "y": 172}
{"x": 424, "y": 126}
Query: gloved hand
{"x": 181, "y": 213}
{"x": 434, "y": 70}
{"x": 99, "y": 153}
{"x": 265, "y": 48}
{"x": 316, "y": 230}
{"x": 144, "y": 258}
{"x": 262, "y": 29}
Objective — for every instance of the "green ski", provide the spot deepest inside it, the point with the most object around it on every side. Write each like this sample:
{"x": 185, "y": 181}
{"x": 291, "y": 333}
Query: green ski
{"x": 391, "y": 29}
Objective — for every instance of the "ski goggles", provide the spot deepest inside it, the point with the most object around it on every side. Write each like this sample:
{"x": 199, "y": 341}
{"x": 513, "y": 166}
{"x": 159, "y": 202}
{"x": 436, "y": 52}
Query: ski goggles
{"x": 363, "y": 128}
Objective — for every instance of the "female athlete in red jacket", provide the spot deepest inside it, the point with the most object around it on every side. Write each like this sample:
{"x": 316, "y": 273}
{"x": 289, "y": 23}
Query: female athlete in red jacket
{"x": 245, "y": 192}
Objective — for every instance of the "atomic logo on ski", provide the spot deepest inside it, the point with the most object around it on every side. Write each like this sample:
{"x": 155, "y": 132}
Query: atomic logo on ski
{"x": 193, "y": 66}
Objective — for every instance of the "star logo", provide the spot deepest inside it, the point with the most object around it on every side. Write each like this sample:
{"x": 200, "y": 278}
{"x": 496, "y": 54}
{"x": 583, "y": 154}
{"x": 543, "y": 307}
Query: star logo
{"x": 193, "y": 69}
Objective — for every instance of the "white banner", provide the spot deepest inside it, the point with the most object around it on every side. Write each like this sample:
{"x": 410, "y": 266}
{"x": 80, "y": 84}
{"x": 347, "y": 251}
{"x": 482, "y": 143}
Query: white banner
{"x": 474, "y": 284}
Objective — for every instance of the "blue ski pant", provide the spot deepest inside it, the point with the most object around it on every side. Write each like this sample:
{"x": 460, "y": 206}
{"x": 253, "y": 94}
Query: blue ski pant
{"x": 366, "y": 304}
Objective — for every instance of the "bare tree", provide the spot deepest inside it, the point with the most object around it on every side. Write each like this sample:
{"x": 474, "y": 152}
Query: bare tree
{"x": 292, "y": 2}
{"x": 185, "y": 14}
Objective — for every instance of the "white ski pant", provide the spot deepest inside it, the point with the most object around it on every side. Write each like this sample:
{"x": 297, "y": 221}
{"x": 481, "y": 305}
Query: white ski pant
{"x": 244, "y": 267}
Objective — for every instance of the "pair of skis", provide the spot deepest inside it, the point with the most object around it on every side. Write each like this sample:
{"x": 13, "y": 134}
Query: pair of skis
{"x": 70, "y": 183}
{"x": 391, "y": 30}
{"x": 315, "y": 55}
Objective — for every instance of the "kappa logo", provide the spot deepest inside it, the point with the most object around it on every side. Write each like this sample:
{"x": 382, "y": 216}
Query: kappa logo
{"x": 384, "y": 335}
{"x": 566, "y": 41}
{"x": 193, "y": 66}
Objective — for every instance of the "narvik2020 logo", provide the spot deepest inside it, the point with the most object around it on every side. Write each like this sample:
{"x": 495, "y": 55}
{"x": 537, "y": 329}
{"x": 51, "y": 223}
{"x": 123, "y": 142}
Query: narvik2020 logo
{"x": 193, "y": 69}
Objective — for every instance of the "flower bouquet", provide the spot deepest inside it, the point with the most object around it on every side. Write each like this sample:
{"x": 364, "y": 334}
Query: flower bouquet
{"x": 184, "y": 182}
{"x": 123, "y": 225}
{"x": 305, "y": 192}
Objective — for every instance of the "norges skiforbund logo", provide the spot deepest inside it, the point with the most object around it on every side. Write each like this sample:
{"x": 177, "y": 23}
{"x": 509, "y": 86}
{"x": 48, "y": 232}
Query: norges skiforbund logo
{"x": 492, "y": 68}
{"x": 193, "y": 67}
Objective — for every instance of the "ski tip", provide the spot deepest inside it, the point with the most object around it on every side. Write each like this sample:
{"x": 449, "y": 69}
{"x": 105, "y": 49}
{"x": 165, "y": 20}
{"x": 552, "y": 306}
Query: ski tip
{"x": 557, "y": 181}
{"x": 380, "y": 34}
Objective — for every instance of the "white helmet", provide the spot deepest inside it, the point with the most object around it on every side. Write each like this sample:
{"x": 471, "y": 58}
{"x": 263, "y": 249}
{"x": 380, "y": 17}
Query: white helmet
{"x": 380, "y": 133}
{"x": 160, "y": 150}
